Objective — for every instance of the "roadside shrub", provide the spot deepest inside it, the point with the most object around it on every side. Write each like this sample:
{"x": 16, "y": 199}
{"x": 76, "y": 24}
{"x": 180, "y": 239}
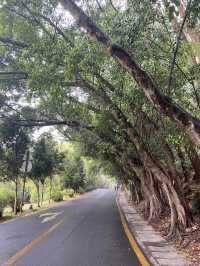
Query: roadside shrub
{"x": 7, "y": 197}
{"x": 3, "y": 204}
{"x": 57, "y": 196}
{"x": 3, "y": 200}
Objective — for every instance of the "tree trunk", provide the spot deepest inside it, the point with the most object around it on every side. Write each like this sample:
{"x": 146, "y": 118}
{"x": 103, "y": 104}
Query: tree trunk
{"x": 186, "y": 171}
{"x": 23, "y": 193}
{"x": 174, "y": 189}
{"x": 195, "y": 161}
{"x": 152, "y": 203}
{"x": 174, "y": 229}
{"x": 42, "y": 194}
{"x": 160, "y": 173}
{"x": 38, "y": 193}
{"x": 16, "y": 197}
{"x": 135, "y": 190}
{"x": 155, "y": 203}
{"x": 153, "y": 192}
{"x": 179, "y": 203}
{"x": 51, "y": 186}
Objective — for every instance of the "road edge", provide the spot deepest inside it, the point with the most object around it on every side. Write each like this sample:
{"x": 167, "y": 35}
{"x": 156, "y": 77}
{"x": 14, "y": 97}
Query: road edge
{"x": 136, "y": 247}
{"x": 154, "y": 246}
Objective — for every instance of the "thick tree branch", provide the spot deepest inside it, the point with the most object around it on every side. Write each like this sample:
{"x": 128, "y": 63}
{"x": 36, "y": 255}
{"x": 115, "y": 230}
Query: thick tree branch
{"x": 13, "y": 75}
{"x": 163, "y": 103}
{"x": 43, "y": 123}
{"x": 7, "y": 40}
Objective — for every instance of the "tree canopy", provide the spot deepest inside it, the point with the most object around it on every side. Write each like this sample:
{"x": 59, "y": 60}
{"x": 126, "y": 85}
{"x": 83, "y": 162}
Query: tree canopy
{"x": 120, "y": 79}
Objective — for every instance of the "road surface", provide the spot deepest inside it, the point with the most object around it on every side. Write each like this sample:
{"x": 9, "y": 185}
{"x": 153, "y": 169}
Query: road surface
{"x": 82, "y": 232}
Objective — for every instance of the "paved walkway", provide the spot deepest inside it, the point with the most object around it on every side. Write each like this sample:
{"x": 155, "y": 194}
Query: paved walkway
{"x": 155, "y": 247}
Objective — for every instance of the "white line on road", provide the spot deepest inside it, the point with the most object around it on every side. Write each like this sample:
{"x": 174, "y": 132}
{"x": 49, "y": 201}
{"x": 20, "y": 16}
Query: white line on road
{"x": 49, "y": 216}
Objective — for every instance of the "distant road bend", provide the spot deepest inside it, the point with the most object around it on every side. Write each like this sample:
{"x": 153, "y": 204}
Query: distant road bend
{"x": 82, "y": 232}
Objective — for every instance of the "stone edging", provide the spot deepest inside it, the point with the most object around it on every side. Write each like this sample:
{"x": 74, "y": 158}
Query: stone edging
{"x": 154, "y": 246}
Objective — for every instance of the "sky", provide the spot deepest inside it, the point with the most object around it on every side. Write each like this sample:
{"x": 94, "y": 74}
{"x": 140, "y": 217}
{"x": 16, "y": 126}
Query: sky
{"x": 48, "y": 129}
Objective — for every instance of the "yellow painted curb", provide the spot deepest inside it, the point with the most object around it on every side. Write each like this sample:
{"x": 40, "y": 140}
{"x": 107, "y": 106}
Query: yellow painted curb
{"x": 141, "y": 257}
{"x": 30, "y": 245}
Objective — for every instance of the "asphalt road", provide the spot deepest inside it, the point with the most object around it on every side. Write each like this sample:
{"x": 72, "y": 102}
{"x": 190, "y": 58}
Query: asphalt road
{"x": 82, "y": 232}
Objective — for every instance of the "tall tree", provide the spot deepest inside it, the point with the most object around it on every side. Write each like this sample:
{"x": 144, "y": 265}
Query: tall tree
{"x": 45, "y": 161}
{"x": 14, "y": 141}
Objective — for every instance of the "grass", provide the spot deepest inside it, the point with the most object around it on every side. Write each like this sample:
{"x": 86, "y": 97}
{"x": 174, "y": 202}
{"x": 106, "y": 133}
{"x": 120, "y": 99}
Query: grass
{"x": 8, "y": 214}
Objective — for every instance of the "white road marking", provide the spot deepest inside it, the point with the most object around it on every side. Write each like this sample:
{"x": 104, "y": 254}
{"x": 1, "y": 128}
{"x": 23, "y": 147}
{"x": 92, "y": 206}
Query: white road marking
{"x": 49, "y": 216}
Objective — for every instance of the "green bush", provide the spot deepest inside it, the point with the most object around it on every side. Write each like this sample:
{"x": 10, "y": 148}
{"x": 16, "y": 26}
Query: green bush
{"x": 3, "y": 204}
{"x": 7, "y": 197}
{"x": 4, "y": 200}
{"x": 57, "y": 196}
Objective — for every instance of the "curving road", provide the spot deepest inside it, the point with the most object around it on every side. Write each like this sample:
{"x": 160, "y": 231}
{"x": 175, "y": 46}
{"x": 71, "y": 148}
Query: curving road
{"x": 82, "y": 232}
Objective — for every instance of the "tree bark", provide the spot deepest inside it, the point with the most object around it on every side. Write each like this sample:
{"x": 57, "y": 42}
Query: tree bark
{"x": 179, "y": 203}
{"x": 51, "y": 186}
{"x": 38, "y": 193}
{"x": 136, "y": 191}
{"x": 8, "y": 40}
{"x": 153, "y": 206}
{"x": 42, "y": 194}
{"x": 195, "y": 161}
{"x": 23, "y": 193}
{"x": 16, "y": 195}
{"x": 174, "y": 231}
{"x": 184, "y": 167}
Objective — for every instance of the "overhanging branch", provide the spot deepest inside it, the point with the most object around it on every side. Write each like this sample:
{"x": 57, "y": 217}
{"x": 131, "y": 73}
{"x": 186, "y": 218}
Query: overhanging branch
{"x": 163, "y": 103}
{"x": 8, "y": 40}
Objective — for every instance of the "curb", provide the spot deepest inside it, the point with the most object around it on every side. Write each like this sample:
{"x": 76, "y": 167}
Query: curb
{"x": 154, "y": 248}
{"x": 138, "y": 250}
